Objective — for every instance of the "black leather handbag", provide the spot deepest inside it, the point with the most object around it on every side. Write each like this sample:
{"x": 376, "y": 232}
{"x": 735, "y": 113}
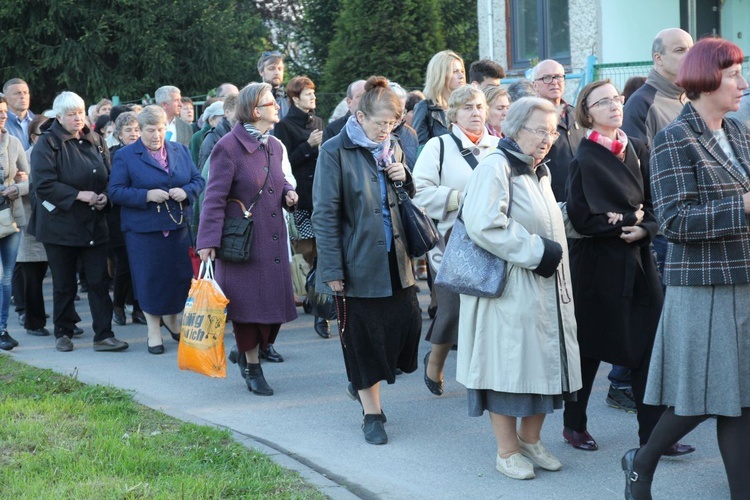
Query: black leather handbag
{"x": 237, "y": 232}
{"x": 420, "y": 232}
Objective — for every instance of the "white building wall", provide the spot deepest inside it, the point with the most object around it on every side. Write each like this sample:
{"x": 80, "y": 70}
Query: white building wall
{"x": 492, "y": 41}
{"x": 628, "y": 28}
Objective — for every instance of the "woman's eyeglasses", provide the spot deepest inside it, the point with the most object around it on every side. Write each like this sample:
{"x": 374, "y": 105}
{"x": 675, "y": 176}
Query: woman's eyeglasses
{"x": 267, "y": 105}
{"x": 607, "y": 102}
{"x": 543, "y": 134}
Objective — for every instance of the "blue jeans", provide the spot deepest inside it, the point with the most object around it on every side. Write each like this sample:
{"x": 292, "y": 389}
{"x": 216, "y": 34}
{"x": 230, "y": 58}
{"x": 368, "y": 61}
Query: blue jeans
{"x": 8, "y": 254}
{"x": 619, "y": 377}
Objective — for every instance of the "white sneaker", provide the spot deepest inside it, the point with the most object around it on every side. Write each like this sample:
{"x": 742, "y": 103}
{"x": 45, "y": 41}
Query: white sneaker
{"x": 515, "y": 466}
{"x": 538, "y": 454}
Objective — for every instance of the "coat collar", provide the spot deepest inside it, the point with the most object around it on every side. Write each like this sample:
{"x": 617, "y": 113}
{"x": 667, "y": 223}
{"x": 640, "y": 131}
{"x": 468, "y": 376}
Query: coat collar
{"x": 142, "y": 151}
{"x": 664, "y": 86}
{"x": 56, "y": 128}
{"x": 246, "y": 140}
{"x": 520, "y": 163}
{"x": 706, "y": 138}
{"x": 298, "y": 117}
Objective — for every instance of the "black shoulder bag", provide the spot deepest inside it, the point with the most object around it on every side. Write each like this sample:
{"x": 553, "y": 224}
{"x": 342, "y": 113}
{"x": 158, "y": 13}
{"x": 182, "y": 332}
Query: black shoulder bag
{"x": 237, "y": 233}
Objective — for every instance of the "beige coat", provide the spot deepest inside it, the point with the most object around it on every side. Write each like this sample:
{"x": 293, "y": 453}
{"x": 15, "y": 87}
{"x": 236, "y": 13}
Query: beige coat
{"x": 514, "y": 343}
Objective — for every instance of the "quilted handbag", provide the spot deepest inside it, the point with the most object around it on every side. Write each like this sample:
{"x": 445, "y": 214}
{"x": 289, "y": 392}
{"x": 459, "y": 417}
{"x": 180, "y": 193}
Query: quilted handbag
{"x": 469, "y": 269}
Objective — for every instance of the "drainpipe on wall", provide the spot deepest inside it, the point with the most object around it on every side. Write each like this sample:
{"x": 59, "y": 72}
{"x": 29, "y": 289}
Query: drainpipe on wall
{"x": 490, "y": 31}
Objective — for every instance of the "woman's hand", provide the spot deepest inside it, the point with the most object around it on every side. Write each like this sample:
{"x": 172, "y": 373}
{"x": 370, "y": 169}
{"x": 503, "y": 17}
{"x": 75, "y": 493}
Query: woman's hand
{"x": 613, "y": 218}
{"x": 633, "y": 233}
{"x": 639, "y": 214}
{"x": 207, "y": 253}
{"x": 89, "y": 197}
{"x": 157, "y": 195}
{"x": 316, "y": 137}
{"x": 746, "y": 202}
{"x": 396, "y": 172}
{"x": 177, "y": 194}
{"x": 291, "y": 198}
{"x": 11, "y": 192}
{"x": 21, "y": 176}
{"x": 101, "y": 201}
{"x": 336, "y": 285}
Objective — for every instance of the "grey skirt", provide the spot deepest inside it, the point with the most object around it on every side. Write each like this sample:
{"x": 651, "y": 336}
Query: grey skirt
{"x": 701, "y": 359}
{"x": 511, "y": 404}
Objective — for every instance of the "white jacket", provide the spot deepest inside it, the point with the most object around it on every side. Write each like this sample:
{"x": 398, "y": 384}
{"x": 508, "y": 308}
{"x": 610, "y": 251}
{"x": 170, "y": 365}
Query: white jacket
{"x": 514, "y": 343}
{"x": 435, "y": 185}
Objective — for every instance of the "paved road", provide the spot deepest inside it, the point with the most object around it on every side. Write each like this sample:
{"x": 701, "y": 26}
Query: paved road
{"x": 435, "y": 451}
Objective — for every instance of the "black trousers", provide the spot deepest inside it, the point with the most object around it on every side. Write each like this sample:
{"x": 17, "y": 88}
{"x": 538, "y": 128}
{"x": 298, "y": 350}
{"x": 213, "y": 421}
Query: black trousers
{"x": 62, "y": 263}
{"x": 17, "y": 289}
{"x": 31, "y": 293}
{"x": 123, "y": 284}
{"x": 574, "y": 416}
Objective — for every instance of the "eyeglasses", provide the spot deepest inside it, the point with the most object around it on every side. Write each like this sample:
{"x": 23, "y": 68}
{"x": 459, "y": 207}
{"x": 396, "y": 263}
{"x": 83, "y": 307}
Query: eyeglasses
{"x": 385, "y": 126}
{"x": 547, "y": 79}
{"x": 607, "y": 102}
{"x": 267, "y": 105}
{"x": 543, "y": 134}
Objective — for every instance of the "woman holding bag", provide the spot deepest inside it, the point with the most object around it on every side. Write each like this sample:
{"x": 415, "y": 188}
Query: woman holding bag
{"x": 440, "y": 175}
{"x": 362, "y": 255}
{"x": 246, "y": 164}
{"x": 14, "y": 176}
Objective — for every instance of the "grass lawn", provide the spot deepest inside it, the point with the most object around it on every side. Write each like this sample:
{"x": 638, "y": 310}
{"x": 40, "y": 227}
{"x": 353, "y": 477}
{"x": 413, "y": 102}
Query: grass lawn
{"x": 60, "y": 438}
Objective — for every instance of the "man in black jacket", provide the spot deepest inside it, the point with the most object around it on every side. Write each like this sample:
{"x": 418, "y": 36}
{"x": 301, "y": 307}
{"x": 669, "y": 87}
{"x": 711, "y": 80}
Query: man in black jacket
{"x": 353, "y": 93}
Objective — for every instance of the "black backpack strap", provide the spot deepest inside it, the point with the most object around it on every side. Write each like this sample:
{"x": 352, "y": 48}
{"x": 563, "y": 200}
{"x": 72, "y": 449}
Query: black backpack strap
{"x": 442, "y": 157}
{"x": 468, "y": 154}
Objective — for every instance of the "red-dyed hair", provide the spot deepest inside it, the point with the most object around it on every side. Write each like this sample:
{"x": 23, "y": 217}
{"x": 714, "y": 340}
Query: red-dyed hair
{"x": 701, "y": 68}
{"x": 295, "y": 87}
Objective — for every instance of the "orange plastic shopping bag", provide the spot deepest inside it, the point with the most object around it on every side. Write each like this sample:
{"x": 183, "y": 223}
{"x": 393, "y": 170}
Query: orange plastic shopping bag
{"x": 201, "y": 346}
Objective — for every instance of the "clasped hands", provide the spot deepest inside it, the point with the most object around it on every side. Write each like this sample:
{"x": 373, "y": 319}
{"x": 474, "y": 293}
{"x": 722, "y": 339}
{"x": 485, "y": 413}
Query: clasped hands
{"x": 160, "y": 196}
{"x": 629, "y": 233}
{"x": 98, "y": 201}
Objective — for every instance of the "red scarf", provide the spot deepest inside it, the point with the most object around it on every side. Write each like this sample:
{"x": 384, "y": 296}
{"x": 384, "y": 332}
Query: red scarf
{"x": 617, "y": 146}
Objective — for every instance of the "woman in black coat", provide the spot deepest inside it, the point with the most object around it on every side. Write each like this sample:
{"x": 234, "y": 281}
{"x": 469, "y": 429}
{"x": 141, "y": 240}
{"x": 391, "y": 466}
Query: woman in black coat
{"x": 301, "y": 132}
{"x": 616, "y": 288}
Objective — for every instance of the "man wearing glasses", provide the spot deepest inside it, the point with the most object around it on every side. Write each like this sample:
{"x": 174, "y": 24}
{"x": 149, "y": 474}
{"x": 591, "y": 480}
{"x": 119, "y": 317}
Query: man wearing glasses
{"x": 271, "y": 70}
{"x": 549, "y": 83}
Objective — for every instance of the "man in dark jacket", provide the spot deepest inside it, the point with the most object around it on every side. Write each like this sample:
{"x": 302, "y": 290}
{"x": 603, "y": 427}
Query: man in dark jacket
{"x": 70, "y": 171}
{"x": 353, "y": 94}
{"x": 549, "y": 83}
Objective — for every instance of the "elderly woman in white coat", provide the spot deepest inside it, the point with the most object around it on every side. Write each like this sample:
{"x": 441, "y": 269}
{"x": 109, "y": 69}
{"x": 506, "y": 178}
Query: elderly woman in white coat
{"x": 440, "y": 176}
{"x": 518, "y": 354}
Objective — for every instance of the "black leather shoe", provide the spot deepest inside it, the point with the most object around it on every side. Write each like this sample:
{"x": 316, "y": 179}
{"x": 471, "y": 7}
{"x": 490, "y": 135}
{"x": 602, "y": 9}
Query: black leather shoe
{"x": 270, "y": 355}
{"x": 139, "y": 318}
{"x": 435, "y": 387}
{"x": 110, "y": 344}
{"x": 679, "y": 449}
{"x": 156, "y": 349}
{"x": 255, "y": 380}
{"x": 580, "y": 440}
{"x": 374, "y": 429}
{"x": 5, "y": 345}
{"x": 5, "y": 337}
{"x": 322, "y": 327}
{"x": 175, "y": 335}
{"x": 239, "y": 359}
{"x": 38, "y": 332}
{"x": 118, "y": 316}
{"x": 633, "y": 480}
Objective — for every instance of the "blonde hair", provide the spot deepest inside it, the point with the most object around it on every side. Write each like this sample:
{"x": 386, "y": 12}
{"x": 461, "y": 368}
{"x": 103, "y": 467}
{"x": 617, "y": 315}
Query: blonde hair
{"x": 438, "y": 71}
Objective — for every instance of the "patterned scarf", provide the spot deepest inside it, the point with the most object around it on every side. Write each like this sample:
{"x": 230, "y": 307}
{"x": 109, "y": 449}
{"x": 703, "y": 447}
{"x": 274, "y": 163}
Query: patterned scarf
{"x": 617, "y": 146}
{"x": 255, "y": 133}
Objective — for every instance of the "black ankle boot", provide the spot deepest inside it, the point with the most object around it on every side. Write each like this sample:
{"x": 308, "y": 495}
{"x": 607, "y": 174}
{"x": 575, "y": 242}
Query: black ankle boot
{"x": 372, "y": 426}
{"x": 239, "y": 359}
{"x": 255, "y": 380}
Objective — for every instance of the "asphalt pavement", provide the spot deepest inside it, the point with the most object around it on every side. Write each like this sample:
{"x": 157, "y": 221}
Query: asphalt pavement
{"x": 434, "y": 450}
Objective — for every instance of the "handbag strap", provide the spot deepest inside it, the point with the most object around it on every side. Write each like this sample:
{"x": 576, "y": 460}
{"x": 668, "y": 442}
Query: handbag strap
{"x": 246, "y": 213}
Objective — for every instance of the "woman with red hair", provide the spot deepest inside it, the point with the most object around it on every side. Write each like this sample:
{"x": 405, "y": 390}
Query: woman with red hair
{"x": 700, "y": 366}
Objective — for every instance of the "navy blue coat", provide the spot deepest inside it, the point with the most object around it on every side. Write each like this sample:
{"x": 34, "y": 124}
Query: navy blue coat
{"x": 135, "y": 172}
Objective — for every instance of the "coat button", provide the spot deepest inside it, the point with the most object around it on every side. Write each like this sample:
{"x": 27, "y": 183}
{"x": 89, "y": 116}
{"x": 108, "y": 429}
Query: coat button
{"x": 381, "y": 242}
{"x": 276, "y": 260}
{"x": 396, "y": 236}
{"x": 273, "y": 214}
{"x": 270, "y": 191}
{"x": 275, "y": 237}
{"x": 93, "y": 208}
{"x": 374, "y": 179}
{"x": 377, "y": 211}
{"x": 94, "y": 170}
{"x": 91, "y": 242}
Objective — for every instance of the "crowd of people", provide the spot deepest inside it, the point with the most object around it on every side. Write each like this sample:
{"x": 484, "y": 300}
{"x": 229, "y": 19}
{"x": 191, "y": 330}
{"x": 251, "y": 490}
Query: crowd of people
{"x": 623, "y": 221}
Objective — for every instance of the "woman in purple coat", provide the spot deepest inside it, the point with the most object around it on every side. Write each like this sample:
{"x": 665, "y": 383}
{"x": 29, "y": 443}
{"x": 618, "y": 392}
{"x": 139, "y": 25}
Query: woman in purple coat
{"x": 244, "y": 162}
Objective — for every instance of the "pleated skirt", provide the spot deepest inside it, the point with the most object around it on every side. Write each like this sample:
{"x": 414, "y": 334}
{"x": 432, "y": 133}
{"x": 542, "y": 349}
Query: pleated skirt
{"x": 700, "y": 364}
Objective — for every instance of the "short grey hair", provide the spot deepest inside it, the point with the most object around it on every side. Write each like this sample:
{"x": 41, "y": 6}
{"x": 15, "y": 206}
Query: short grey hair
{"x": 151, "y": 115}
{"x": 249, "y": 99}
{"x": 66, "y": 102}
{"x": 520, "y": 88}
{"x": 13, "y": 81}
{"x": 122, "y": 121}
{"x": 520, "y": 112}
{"x": 398, "y": 90}
{"x": 163, "y": 94}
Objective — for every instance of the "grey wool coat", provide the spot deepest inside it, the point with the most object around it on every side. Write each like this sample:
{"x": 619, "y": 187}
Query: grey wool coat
{"x": 259, "y": 290}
